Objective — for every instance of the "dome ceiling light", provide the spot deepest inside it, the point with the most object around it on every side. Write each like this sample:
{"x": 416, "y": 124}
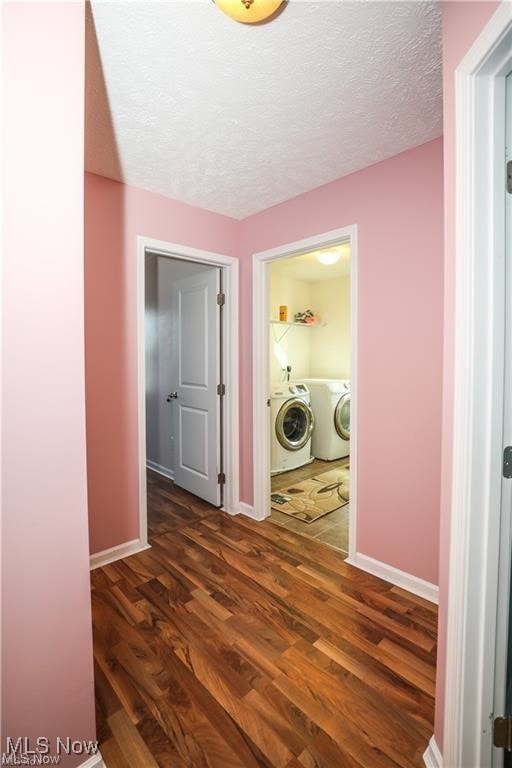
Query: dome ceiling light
{"x": 328, "y": 257}
{"x": 249, "y": 11}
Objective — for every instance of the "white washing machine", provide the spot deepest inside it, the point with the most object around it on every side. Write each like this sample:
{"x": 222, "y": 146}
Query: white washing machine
{"x": 330, "y": 401}
{"x": 291, "y": 426}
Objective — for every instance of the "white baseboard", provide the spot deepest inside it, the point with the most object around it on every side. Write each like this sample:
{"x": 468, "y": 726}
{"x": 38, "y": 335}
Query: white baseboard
{"x": 249, "y": 511}
{"x": 432, "y": 757}
{"x": 116, "y": 553}
{"x": 397, "y": 577}
{"x": 233, "y": 511}
{"x": 169, "y": 473}
{"x": 96, "y": 761}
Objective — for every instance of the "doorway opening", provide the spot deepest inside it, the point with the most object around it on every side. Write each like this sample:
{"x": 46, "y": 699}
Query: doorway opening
{"x": 305, "y": 310}
{"x": 188, "y": 361}
{"x": 183, "y": 373}
{"x": 309, "y": 364}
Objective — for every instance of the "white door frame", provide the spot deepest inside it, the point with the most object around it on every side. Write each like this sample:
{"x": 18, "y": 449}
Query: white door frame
{"x": 261, "y": 425}
{"x": 478, "y": 396}
{"x": 229, "y": 265}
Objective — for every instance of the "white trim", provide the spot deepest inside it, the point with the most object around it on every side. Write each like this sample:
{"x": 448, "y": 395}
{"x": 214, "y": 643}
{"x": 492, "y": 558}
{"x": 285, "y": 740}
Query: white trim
{"x": 116, "y": 553}
{"x": 395, "y": 576}
{"x": 261, "y": 427}
{"x": 230, "y": 352}
{"x": 96, "y": 761}
{"x": 354, "y": 397}
{"x": 432, "y": 757}
{"x": 248, "y": 511}
{"x": 478, "y": 396}
{"x": 160, "y": 469}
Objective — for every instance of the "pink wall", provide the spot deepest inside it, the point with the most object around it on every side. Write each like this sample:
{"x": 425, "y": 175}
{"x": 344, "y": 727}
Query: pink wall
{"x": 47, "y": 682}
{"x": 462, "y": 23}
{"x": 400, "y": 334}
{"x": 398, "y": 207}
{"x": 115, "y": 214}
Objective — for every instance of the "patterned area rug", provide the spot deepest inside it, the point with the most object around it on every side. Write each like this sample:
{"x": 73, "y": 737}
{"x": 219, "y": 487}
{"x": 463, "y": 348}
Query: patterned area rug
{"x": 314, "y": 498}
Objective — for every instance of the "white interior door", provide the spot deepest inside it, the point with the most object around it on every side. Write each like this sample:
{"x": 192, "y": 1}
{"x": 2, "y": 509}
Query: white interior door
{"x": 503, "y": 661}
{"x": 197, "y": 361}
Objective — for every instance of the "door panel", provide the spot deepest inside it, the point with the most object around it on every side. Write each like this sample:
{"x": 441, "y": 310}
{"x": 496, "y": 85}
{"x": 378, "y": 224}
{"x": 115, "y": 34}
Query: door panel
{"x": 193, "y": 317}
{"x": 196, "y": 358}
{"x": 194, "y": 456}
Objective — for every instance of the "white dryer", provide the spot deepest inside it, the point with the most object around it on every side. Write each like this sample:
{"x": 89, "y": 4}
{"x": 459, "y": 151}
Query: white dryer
{"x": 330, "y": 401}
{"x": 291, "y": 426}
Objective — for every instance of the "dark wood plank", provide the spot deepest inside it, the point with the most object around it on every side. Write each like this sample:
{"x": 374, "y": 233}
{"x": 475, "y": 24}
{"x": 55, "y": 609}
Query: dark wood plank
{"x": 235, "y": 644}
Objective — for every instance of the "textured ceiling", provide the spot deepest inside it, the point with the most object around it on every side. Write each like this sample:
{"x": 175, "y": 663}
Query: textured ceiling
{"x": 183, "y": 101}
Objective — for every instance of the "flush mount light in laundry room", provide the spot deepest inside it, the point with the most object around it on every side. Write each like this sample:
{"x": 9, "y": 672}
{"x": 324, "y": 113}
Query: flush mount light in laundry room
{"x": 328, "y": 257}
{"x": 249, "y": 11}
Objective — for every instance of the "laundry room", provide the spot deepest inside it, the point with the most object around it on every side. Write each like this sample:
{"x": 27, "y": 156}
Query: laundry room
{"x": 309, "y": 301}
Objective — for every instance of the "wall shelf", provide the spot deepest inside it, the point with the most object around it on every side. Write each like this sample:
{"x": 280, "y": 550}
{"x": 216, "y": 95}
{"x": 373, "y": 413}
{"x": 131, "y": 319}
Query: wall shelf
{"x": 286, "y": 327}
{"x": 301, "y": 325}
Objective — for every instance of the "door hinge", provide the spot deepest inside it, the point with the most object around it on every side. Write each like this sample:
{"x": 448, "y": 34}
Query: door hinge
{"x": 507, "y": 461}
{"x": 509, "y": 176}
{"x": 221, "y": 299}
{"x": 221, "y": 478}
{"x": 502, "y": 733}
{"x": 221, "y": 389}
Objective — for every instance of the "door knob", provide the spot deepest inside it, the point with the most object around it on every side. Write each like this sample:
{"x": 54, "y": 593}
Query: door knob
{"x": 172, "y": 396}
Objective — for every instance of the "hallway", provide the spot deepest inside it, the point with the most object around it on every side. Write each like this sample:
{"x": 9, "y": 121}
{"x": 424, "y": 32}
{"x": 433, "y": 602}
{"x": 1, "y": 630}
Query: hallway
{"x": 234, "y": 643}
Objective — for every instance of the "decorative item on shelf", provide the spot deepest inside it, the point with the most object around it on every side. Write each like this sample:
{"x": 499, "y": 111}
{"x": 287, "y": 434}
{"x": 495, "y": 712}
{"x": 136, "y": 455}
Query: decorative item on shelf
{"x": 249, "y": 11}
{"x": 308, "y": 317}
{"x": 283, "y": 313}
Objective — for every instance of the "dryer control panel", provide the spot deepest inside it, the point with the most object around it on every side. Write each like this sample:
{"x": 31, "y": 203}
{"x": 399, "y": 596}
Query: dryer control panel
{"x": 298, "y": 389}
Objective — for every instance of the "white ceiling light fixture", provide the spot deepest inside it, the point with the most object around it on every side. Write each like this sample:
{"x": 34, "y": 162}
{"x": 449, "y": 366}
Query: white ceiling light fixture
{"x": 249, "y": 11}
{"x": 328, "y": 257}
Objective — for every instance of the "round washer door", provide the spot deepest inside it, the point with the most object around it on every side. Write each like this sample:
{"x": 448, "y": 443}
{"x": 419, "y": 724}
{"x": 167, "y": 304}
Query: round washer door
{"x": 294, "y": 424}
{"x": 342, "y": 417}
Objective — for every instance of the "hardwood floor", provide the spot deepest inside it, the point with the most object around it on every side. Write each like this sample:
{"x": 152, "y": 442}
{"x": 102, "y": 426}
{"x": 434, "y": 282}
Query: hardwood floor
{"x": 236, "y": 644}
{"x": 331, "y": 529}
